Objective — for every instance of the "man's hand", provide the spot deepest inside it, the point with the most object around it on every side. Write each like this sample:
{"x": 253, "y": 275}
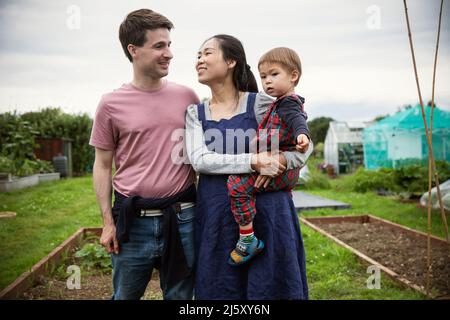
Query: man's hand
{"x": 302, "y": 143}
{"x": 108, "y": 239}
{"x": 103, "y": 191}
{"x": 262, "y": 181}
{"x": 268, "y": 164}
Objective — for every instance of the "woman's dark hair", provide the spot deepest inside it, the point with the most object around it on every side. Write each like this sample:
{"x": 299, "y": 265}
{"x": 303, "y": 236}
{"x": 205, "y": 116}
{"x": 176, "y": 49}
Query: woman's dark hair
{"x": 232, "y": 49}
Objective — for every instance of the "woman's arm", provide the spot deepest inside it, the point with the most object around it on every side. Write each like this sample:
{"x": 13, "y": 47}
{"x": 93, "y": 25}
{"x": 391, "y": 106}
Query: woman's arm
{"x": 297, "y": 159}
{"x": 210, "y": 162}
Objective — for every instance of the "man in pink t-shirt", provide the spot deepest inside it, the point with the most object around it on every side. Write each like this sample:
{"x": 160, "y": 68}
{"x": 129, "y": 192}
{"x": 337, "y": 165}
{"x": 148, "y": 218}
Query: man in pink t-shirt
{"x": 134, "y": 126}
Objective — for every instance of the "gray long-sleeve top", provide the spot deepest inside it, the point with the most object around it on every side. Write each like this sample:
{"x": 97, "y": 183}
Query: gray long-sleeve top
{"x": 210, "y": 162}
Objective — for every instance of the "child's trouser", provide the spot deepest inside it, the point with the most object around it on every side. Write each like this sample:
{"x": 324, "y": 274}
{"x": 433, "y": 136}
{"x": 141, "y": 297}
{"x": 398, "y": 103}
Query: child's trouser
{"x": 241, "y": 188}
{"x": 242, "y": 191}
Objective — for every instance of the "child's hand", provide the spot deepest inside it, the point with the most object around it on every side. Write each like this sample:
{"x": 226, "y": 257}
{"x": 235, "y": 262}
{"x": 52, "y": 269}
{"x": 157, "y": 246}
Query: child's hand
{"x": 302, "y": 143}
{"x": 262, "y": 181}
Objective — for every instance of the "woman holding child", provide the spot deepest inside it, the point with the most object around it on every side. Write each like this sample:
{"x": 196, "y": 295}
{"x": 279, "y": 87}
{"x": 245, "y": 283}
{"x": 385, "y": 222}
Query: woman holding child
{"x": 277, "y": 266}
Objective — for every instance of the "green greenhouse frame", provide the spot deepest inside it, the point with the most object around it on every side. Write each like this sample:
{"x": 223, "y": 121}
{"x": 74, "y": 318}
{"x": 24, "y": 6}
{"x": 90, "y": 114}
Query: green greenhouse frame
{"x": 400, "y": 139}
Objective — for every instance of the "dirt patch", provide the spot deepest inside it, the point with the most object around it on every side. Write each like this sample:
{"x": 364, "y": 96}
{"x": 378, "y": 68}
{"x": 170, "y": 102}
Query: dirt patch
{"x": 97, "y": 286}
{"x": 399, "y": 251}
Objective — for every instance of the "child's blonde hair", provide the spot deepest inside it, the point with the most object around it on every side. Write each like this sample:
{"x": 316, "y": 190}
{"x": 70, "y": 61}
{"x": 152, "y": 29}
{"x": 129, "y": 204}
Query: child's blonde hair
{"x": 286, "y": 57}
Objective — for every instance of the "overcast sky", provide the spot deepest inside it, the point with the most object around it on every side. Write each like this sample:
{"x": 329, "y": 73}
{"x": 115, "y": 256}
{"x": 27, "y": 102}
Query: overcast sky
{"x": 355, "y": 54}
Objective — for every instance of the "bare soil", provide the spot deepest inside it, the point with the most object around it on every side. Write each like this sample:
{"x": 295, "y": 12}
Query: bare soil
{"x": 401, "y": 252}
{"x": 97, "y": 286}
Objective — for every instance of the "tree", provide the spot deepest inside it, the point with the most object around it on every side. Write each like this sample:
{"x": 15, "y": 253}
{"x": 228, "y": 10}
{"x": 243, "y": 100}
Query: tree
{"x": 380, "y": 117}
{"x": 404, "y": 107}
{"x": 318, "y": 128}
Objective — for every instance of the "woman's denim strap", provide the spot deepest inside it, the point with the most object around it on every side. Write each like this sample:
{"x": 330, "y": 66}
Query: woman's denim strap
{"x": 201, "y": 114}
{"x": 251, "y": 102}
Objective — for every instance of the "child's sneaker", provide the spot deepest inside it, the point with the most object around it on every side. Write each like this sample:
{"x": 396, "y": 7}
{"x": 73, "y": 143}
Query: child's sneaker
{"x": 244, "y": 251}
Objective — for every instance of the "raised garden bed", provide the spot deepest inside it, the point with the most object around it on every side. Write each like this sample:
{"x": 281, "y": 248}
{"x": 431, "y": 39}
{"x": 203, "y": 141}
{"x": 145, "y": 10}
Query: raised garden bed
{"x": 18, "y": 183}
{"x": 44, "y": 177}
{"x": 8, "y": 183}
{"x": 48, "y": 278}
{"x": 399, "y": 251}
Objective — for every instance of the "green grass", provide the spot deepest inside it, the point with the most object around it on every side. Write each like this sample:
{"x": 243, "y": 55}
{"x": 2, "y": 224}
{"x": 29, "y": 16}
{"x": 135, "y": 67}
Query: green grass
{"x": 46, "y": 216}
{"x": 49, "y": 213}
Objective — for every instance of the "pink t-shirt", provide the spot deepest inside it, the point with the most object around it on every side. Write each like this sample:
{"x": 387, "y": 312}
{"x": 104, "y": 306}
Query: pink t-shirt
{"x": 138, "y": 125}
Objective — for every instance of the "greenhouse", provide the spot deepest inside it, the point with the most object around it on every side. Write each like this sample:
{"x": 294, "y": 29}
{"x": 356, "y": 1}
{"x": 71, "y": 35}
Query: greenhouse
{"x": 343, "y": 146}
{"x": 400, "y": 139}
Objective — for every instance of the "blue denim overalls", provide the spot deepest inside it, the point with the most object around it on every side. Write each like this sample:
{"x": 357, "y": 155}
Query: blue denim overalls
{"x": 278, "y": 272}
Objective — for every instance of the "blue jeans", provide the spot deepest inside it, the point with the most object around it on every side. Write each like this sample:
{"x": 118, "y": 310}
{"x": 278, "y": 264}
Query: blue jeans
{"x": 133, "y": 266}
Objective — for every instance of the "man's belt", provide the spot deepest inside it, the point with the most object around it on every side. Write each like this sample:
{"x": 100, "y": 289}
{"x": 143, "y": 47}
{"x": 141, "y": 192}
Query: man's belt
{"x": 157, "y": 212}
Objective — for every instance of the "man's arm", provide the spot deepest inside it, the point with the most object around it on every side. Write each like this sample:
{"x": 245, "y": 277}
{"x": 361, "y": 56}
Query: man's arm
{"x": 102, "y": 172}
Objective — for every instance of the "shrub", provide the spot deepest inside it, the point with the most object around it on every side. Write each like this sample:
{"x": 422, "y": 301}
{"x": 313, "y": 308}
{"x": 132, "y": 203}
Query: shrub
{"x": 18, "y": 133}
{"x": 318, "y": 150}
{"x": 414, "y": 178}
{"x": 16, "y": 137}
{"x": 6, "y": 165}
{"x": 377, "y": 180}
{"x": 317, "y": 180}
{"x": 17, "y": 142}
{"x": 54, "y": 123}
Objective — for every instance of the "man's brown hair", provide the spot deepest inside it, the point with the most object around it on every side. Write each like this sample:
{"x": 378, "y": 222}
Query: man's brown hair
{"x": 284, "y": 56}
{"x": 133, "y": 29}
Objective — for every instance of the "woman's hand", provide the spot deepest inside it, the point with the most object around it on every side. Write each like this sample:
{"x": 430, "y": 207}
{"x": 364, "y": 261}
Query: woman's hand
{"x": 262, "y": 181}
{"x": 269, "y": 164}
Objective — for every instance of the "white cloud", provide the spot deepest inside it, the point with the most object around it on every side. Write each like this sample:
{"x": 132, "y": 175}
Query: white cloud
{"x": 350, "y": 71}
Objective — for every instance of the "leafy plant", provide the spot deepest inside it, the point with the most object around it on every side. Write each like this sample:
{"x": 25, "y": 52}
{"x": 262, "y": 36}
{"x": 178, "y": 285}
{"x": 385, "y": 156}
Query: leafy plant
{"x": 42, "y": 166}
{"x": 93, "y": 255}
{"x": 26, "y": 168}
{"x": 6, "y": 164}
{"x": 16, "y": 137}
